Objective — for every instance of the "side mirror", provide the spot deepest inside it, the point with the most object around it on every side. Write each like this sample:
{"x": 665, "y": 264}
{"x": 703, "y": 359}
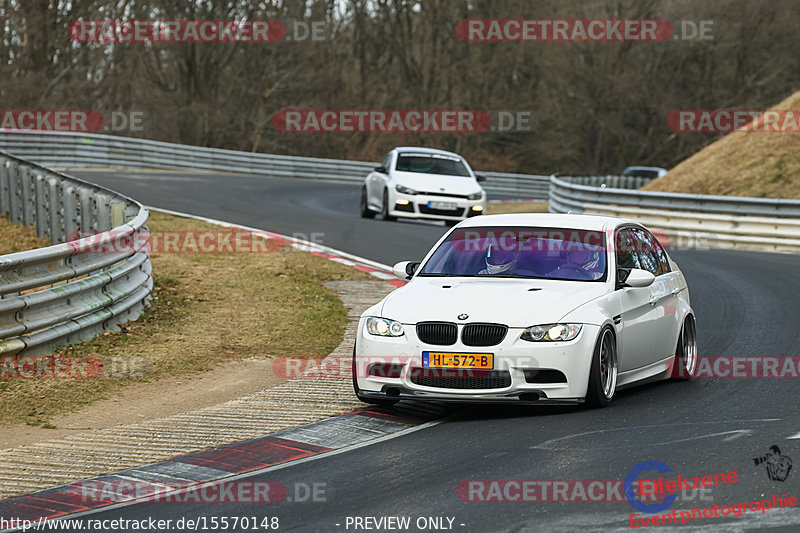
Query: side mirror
{"x": 639, "y": 278}
{"x": 381, "y": 170}
{"x": 480, "y": 177}
{"x": 405, "y": 269}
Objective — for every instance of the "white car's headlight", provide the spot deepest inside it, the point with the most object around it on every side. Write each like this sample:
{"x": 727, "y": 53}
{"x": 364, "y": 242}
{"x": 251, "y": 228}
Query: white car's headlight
{"x": 404, "y": 190}
{"x": 384, "y": 327}
{"x": 476, "y": 196}
{"x": 551, "y": 332}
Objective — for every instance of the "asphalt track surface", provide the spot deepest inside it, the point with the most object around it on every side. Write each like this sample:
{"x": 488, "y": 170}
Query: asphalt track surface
{"x": 747, "y": 304}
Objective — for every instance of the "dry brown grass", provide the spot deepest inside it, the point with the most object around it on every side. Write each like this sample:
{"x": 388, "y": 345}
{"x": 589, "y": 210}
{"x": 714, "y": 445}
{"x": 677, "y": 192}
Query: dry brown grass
{"x": 516, "y": 207}
{"x": 765, "y": 164}
{"x": 18, "y": 238}
{"x": 208, "y": 309}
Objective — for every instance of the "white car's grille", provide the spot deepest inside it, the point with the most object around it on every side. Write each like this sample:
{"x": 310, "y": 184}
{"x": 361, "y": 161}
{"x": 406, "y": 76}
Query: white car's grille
{"x": 449, "y": 378}
{"x": 483, "y": 334}
{"x": 440, "y": 333}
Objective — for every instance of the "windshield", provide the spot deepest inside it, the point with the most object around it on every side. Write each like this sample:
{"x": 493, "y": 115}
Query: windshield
{"x": 545, "y": 253}
{"x": 432, "y": 164}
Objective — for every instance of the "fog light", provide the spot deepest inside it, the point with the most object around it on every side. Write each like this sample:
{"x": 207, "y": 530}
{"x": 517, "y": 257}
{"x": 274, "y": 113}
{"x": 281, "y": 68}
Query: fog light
{"x": 402, "y": 201}
{"x": 477, "y": 208}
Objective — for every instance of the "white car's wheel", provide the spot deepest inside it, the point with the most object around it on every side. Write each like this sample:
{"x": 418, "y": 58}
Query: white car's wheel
{"x": 366, "y": 212}
{"x": 603, "y": 372}
{"x": 686, "y": 360}
{"x": 385, "y": 209}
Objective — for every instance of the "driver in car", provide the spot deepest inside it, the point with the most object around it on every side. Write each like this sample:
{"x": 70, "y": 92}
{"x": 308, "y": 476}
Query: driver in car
{"x": 583, "y": 261}
{"x": 499, "y": 262}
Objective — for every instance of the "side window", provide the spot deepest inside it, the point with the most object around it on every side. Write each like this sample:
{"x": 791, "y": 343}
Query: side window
{"x": 647, "y": 254}
{"x": 627, "y": 251}
{"x": 387, "y": 161}
{"x": 652, "y": 253}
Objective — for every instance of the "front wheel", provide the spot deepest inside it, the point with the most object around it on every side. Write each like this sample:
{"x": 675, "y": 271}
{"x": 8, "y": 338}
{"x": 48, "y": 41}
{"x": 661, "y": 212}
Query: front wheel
{"x": 366, "y": 212}
{"x": 685, "y": 365}
{"x": 603, "y": 372}
{"x": 385, "y": 209}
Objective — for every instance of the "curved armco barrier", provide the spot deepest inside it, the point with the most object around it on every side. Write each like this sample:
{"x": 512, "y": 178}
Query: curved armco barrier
{"x": 69, "y": 149}
{"x": 68, "y": 292}
{"x": 691, "y": 220}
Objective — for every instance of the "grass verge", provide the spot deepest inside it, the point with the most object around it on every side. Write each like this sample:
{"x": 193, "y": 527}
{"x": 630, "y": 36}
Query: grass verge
{"x": 207, "y": 309}
{"x": 757, "y": 164}
{"x": 528, "y": 206}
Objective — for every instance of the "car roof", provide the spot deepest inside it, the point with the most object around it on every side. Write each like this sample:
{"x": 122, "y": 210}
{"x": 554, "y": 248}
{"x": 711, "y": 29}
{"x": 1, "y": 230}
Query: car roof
{"x": 547, "y": 220}
{"x": 421, "y": 150}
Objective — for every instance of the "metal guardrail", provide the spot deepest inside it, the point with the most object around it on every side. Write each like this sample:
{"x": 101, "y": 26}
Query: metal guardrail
{"x": 68, "y": 149}
{"x": 68, "y": 292}
{"x": 693, "y": 220}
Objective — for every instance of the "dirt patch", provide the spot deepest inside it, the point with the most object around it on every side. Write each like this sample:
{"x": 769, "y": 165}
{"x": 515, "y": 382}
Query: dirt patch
{"x": 209, "y": 311}
{"x": 144, "y": 401}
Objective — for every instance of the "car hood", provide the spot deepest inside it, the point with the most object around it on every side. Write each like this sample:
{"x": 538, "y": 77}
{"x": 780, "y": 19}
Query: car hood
{"x": 435, "y": 182}
{"x": 514, "y": 302}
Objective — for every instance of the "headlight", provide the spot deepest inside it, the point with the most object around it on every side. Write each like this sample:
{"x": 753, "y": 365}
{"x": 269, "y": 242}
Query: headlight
{"x": 476, "y": 196}
{"x": 384, "y": 327}
{"x": 551, "y": 332}
{"x": 404, "y": 190}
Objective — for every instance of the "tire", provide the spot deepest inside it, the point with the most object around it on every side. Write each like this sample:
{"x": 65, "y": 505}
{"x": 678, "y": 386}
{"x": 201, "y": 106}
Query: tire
{"x": 686, "y": 360}
{"x": 366, "y": 212}
{"x": 385, "y": 207}
{"x": 373, "y": 401}
{"x": 603, "y": 383}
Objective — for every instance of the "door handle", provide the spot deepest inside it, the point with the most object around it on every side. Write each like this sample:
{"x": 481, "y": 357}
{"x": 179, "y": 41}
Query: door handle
{"x": 653, "y": 301}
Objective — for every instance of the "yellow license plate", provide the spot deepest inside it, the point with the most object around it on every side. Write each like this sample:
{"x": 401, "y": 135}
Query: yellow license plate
{"x": 457, "y": 360}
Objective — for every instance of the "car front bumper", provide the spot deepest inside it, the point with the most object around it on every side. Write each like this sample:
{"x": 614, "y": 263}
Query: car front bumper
{"x": 423, "y": 206}
{"x": 521, "y": 360}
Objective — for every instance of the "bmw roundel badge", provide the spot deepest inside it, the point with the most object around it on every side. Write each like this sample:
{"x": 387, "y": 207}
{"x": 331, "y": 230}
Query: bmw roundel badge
{"x": 463, "y": 316}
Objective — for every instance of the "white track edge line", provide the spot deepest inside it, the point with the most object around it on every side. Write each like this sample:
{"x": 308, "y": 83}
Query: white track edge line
{"x": 319, "y": 247}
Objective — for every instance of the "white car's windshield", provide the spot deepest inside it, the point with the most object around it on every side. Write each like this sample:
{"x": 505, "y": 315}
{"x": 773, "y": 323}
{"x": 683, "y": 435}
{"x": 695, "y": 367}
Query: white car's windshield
{"x": 548, "y": 253}
{"x": 431, "y": 164}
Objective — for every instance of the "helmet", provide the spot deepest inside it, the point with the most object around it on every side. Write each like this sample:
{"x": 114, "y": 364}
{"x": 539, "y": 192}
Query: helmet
{"x": 500, "y": 261}
{"x": 586, "y": 259}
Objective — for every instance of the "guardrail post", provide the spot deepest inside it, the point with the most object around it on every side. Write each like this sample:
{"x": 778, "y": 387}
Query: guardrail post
{"x": 15, "y": 214}
{"x": 87, "y": 209}
{"x": 117, "y": 213}
{"x": 27, "y": 197}
{"x": 41, "y": 207}
{"x": 71, "y": 222}
{"x": 56, "y": 211}
{"x": 5, "y": 188}
{"x": 103, "y": 203}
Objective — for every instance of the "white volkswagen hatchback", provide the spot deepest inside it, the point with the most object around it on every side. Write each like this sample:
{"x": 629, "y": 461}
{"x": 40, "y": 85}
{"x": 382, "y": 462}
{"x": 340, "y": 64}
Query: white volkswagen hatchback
{"x": 529, "y": 308}
{"x": 423, "y": 183}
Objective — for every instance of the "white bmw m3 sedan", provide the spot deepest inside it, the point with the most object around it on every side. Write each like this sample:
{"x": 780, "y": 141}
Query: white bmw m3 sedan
{"x": 529, "y": 308}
